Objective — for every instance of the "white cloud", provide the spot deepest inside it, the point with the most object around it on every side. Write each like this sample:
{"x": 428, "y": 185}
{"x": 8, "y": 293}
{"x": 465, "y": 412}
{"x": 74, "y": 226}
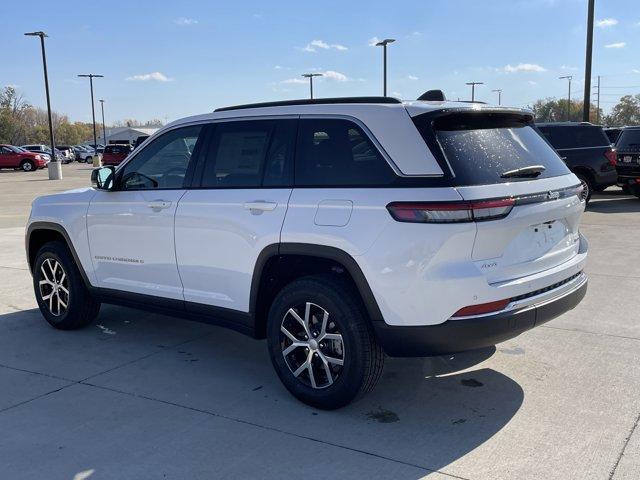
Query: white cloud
{"x": 278, "y": 67}
{"x": 532, "y": 83}
{"x": 568, "y": 67}
{"x": 147, "y": 77}
{"x": 396, "y": 94}
{"x": 373, "y": 41}
{"x": 314, "y": 45}
{"x": 295, "y": 80}
{"x": 337, "y": 76}
{"x": 412, "y": 77}
{"x": 606, "y": 22}
{"x": 524, "y": 67}
{"x": 185, "y": 22}
{"x": 635, "y": 70}
{"x": 414, "y": 34}
{"x": 616, "y": 45}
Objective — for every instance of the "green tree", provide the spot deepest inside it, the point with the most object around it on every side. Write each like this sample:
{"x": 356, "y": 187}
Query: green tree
{"x": 555, "y": 110}
{"x": 625, "y": 112}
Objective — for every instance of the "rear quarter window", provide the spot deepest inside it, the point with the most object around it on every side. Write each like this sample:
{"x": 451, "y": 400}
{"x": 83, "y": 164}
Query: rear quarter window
{"x": 629, "y": 140}
{"x": 479, "y": 147}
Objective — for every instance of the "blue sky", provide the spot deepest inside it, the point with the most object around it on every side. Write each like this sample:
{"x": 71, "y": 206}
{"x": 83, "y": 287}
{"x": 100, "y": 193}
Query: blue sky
{"x": 166, "y": 59}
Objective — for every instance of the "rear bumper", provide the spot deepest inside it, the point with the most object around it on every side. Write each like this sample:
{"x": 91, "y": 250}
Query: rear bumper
{"x": 457, "y": 335}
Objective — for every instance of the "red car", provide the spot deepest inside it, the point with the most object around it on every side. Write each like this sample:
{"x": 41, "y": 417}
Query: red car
{"x": 115, "y": 154}
{"x": 16, "y": 157}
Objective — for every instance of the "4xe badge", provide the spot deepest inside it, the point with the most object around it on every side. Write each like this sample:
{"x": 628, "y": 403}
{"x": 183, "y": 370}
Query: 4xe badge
{"x": 553, "y": 195}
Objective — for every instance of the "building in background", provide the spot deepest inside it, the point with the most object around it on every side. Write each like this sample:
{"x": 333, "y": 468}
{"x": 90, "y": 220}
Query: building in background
{"x": 126, "y": 135}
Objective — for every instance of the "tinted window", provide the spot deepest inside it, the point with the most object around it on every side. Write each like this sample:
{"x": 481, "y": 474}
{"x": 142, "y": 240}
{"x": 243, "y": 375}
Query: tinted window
{"x": 249, "y": 154}
{"x": 629, "y": 140}
{"x": 117, "y": 149}
{"x": 163, "y": 163}
{"x": 579, "y": 136}
{"x": 481, "y": 148}
{"x": 334, "y": 152}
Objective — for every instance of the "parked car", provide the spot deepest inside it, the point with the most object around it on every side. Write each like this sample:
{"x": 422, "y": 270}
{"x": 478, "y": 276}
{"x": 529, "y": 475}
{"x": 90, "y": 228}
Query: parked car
{"x": 586, "y": 150}
{"x": 67, "y": 152}
{"x": 83, "y": 153}
{"x": 16, "y": 157}
{"x": 339, "y": 229}
{"x": 612, "y": 134}
{"x": 140, "y": 140}
{"x": 45, "y": 150}
{"x": 115, "y": 154}
{"x": 628, "y": 164}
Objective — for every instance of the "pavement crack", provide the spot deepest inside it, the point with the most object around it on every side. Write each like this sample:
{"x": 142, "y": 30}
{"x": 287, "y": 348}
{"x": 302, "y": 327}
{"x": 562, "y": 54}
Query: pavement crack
{"x": 600, "y": 334}
{"x": 624, "y": 447}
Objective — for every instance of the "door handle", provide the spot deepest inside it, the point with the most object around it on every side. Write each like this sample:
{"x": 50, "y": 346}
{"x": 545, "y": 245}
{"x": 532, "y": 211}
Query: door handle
{"x": 159, "y": 204}
{"x": 261, "y": 206}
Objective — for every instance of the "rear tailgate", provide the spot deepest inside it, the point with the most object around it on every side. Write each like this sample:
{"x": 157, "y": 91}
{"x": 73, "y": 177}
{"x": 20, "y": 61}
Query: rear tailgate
{"x": 485, "y": 153}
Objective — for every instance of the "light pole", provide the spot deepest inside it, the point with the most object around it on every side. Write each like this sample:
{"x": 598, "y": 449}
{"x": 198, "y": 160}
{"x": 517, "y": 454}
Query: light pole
{"x": 310, "y": 77}
{"x": 383, "y": 44}
{"x": 104, "y": 132}
{"x": 587, "y": 64}
{"x": 568, "y": 77}
{"x": 54, "y": 168}
{"x": 91, "y": 76}
{"x": 473, "y": 89}
{"x": 499, "y": 92}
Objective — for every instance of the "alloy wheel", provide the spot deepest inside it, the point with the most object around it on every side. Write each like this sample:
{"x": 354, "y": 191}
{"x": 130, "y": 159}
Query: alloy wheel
{"x": 312, "y": 345}
{"x": 26, "y": 166}
{"x": 584, "y": 195}
{"x": 54, "y": 287}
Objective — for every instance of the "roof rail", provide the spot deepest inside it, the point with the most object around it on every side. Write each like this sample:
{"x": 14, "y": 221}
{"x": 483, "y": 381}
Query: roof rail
{"x": 315, "y": 101}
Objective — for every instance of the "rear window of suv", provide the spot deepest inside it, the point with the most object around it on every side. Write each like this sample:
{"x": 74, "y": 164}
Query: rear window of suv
{"x": 574, "y": 136}
{"x": 480, "y": 148}
{"x": 629, "y": 140}
{"x": 117, "y": 149}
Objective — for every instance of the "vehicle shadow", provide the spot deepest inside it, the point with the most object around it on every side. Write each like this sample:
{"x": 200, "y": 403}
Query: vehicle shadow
{"x": 425, "y": 412}
{"x": 614, "y": 201}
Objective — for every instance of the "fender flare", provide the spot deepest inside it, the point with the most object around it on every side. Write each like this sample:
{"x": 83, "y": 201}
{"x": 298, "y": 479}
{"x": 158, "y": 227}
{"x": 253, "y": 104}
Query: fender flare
{"x": 55, "y": 227}
{"x": 320, "y": 251}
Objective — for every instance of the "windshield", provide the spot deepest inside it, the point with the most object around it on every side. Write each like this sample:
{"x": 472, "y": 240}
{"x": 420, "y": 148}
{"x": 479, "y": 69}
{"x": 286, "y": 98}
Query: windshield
{"x": 490, "y": 148}
{"x": 629, "y": 140}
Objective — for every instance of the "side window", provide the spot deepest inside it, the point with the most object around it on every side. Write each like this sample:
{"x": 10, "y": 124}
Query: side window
{"x": 335, "y": 153}
{"x": 163, "y": 163}
{"x": 249, "y": 154}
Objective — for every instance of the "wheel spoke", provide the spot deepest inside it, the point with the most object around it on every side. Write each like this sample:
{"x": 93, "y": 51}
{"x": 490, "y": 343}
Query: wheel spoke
{"x": 336, "y": 361}
{"x": 44, "y": 273}
{"x": 307, "y": 318}
{"x": 51, "y": 303}
{"x": 312, "y": 376}
{"x": 64, "y": 289}
{"x": 61, "y": 281}
{"x": 301, "y": 368}
{"x": 44, "y": 282}
{"x": 295, "y": 315}
{"x": 327, "y": 370}
{"x": 325, "y": 318}
{"x": 46, "y": 297}
{"x": 60, "y": 302}
{"x": 289, "y": 335}
{"x": 292, "y": 347}
{"x": 331, "y": 336}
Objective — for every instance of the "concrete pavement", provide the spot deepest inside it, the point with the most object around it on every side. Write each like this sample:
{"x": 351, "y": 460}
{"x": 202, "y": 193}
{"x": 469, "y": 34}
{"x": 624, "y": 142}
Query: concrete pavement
{"x": 139, "y": 395}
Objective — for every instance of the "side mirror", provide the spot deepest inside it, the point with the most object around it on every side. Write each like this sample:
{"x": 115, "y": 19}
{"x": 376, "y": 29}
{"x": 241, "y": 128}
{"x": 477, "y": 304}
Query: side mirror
{"x": 103, "y": 178}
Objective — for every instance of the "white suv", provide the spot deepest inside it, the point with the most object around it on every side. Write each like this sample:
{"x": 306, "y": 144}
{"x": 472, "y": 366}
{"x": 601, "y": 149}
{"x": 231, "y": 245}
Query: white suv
{"x": 339, "y": 229}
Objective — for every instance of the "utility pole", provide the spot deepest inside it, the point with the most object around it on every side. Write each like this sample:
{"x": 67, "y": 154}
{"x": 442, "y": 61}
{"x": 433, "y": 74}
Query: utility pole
{"x": 587, "y": 64}
{"x": 104, "y": 132}
{"x": 91, "y": 76}
{"x": 499, "y": 91}
{"x": 598, "y": 103}
{"x": 54, "y": 167}
{"x": 568, "y": 77}
{"x": 384, "y": 44}
{"x": 310, "y": 77}
{"x": 473, "y": 89}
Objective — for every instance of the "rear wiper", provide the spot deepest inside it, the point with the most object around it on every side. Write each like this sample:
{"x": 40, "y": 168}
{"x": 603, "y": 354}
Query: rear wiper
{"x": 530, "y": 171}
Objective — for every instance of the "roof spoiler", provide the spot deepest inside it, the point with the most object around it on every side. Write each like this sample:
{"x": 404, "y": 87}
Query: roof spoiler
{"x": 432, "y": 96}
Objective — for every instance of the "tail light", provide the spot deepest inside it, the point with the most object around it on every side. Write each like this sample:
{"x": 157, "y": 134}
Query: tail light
{"x": 482, "y": 308}
{"x": 611, "y": 156}
{"x": 451, "y": 212}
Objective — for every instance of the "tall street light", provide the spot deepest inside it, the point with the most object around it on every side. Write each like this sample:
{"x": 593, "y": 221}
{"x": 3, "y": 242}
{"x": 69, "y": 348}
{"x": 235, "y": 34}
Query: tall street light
{"x": 383, "y": 44}
{"x": 473, "y": 89}
{"x": 310, "y": 77}
{"x": 104, "y": 132}
{"x": 569, "y": 78}
{"x": 55, "y": 169}
{"x": 499, "y": 92}
{"x": 91, "y": 76}
{"x": 587, "y": 64}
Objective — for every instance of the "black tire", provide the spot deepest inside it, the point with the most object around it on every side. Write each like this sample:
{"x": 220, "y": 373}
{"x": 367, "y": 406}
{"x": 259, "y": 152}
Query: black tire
{"x": 88, "y": 160}
{"x": 362, "y": 357}
{"x": 27, "y": 166}
{"x": 600, "y": 188}
{"x": 626, "y": 189}
{"x": 81, "y": 308}
{"x": 587, "y": 184}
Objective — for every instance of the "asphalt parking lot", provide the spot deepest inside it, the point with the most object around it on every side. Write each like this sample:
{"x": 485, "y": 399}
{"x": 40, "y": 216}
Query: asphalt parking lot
{"x": 138, "y": 395}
